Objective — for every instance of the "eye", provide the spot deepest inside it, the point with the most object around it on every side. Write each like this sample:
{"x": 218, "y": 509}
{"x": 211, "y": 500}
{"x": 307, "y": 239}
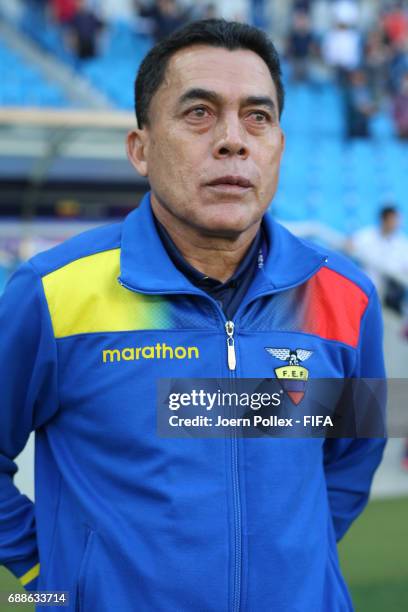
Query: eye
{"x": 259, "y": 116}
{"x": 198, "y": 112}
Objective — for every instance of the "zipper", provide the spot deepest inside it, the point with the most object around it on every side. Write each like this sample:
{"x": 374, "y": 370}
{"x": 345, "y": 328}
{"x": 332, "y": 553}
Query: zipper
{"x": 237, "y": 524}
{"x": 242, "y": 306}
{"x": 236, "y": 493}
{"x": 231, "y": 356}
{"x": 232, "y": 364}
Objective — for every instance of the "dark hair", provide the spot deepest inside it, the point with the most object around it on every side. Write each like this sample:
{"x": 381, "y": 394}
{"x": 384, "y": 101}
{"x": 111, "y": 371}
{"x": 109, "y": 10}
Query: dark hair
{"x": 388, "y": 210}
{"x": 229, "y": 35}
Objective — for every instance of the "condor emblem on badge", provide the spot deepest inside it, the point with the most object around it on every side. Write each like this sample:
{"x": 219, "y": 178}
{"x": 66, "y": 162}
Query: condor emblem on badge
{"x": 293, "y": 377}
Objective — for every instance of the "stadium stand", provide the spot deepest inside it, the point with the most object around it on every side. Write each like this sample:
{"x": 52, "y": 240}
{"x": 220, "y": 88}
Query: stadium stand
{"x": 73, "y": 158}
{"x": 325, "y": 179}
{"x": 23, "y": 83}
{"x": 106, "y": 73}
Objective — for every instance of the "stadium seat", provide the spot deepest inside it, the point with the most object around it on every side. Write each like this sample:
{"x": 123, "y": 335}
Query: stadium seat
{"x": 323, "y": 177}
{"x": 23, "y": 84}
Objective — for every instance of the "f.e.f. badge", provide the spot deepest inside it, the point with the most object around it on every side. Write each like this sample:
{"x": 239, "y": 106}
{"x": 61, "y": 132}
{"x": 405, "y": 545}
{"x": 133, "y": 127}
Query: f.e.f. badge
{"x": 292, "y": 376}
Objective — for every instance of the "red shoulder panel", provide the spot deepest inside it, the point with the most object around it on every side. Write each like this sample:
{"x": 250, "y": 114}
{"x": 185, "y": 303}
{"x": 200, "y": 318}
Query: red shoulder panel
{"x": 334, "y": 307}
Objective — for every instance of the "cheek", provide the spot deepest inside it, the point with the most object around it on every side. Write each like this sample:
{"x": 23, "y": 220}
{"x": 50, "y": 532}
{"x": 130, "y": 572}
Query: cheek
{"x": 174, "y": 168}
{"x": 269, "y": 167}
{"x": 277, "y": 145}
{"x": 173, "y": 157}
{"x": 276, "y": 157}
{"x": 269, "y": 161}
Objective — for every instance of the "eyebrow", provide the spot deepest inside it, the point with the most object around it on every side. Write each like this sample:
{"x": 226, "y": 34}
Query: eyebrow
{"x": 197, "y": 93}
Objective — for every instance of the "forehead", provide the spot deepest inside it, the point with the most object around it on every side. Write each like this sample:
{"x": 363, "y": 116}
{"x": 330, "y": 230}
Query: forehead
{"x": 233, "y": 74}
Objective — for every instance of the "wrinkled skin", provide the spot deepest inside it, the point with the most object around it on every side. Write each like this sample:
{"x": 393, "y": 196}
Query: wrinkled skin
{"x": 189, "y": 143}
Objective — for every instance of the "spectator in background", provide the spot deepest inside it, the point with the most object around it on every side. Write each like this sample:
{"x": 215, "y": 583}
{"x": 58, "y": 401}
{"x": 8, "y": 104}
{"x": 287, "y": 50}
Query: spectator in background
{"x": 84, "y": 30}
{"x": 302, "y": 6}
{"x": 321, "y": 17}
{"x": 165, "y": 15}
{"x": 359, "y": 105}
{"x": 395, "y": 23}
{"x": 63, "y": 11}
{"x": 300, "y": 45}
{"x": 400, "y": 109}
{"x": 376, "y": 62}
{"x": 383, "y": 252}
{"x": 342, "y": 45}
{"x": 398, "y": 65}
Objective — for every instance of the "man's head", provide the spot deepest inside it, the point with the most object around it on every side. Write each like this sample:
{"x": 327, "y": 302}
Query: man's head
{"x": 210, "y": 32}
{"x": 390, "y": 219}
{"x": 208, "y": 104}
{"x": 301, "y": 21}
{"x": 168, "y": 7}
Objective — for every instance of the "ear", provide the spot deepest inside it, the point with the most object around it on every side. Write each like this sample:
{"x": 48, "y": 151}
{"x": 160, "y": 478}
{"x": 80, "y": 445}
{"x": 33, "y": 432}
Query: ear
{"x": 136, "y": 148}
{"x": 283, "y": 140}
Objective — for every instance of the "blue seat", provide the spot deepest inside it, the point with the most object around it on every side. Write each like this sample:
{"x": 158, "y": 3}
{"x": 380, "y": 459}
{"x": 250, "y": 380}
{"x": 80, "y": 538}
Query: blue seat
{"x": 23, "y": 84}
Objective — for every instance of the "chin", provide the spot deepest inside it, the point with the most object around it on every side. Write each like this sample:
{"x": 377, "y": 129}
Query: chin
{"x": 227, "y": 224}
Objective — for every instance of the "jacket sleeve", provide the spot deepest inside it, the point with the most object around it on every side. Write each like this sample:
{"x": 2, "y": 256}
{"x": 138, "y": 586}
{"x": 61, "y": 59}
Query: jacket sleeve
{"x": 350, "y": 463}
{"x": 28, "y": 398}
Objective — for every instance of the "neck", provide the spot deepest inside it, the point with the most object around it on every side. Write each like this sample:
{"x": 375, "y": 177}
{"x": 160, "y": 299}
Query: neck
{"x": 386, "y": 232}
{"x": 216, "y": 256}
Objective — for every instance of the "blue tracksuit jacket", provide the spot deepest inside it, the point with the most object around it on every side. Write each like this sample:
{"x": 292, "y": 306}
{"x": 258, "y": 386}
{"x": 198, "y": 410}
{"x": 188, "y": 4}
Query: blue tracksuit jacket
{"x": 125, "y": 520}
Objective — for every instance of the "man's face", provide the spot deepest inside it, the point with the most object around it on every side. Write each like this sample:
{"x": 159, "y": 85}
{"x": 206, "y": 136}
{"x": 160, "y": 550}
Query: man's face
{"x": 213, "y": 146}
{"x": 391, "y": 223}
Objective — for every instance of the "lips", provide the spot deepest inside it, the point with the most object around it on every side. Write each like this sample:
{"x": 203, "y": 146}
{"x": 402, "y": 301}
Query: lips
{"x": 238, "y": 181}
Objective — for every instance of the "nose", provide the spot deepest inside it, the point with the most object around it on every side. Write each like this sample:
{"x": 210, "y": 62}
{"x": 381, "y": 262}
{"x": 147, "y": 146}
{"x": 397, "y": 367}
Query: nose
{"x": 230, "y": 138}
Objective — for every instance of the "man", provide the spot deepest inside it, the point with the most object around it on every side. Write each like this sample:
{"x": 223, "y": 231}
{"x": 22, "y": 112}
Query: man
{"x": 165, "y": 16}
{"x": 341, "y": 44}
{"x": 400, "y": 107}
{"x": 84, "y": 29}
{"x": 359, "y": 105}
{"x": 197, "y": 282}
{"x": 383, "y": 250}
{"x": 300, "y": 44}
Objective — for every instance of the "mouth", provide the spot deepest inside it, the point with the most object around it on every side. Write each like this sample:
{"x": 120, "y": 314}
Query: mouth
{"x": 231, "y": 183}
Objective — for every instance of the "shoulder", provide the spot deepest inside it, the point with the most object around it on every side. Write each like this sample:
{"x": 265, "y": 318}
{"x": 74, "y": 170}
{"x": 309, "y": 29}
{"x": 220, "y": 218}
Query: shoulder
{"x": 88, "y": 244}
{"x": 79, "y": 280}
{"x": 338, "y": 269}
{"x": 338, "y": 298}
{"x": 341, "y": 271}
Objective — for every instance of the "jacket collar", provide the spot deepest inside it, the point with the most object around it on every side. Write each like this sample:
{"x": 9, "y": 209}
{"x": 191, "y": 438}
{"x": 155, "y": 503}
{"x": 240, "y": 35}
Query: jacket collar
{"x": 146, "y": 267}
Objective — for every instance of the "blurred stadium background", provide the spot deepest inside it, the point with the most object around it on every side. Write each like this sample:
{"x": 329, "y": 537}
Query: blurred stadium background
{"x": 66, "y": 104}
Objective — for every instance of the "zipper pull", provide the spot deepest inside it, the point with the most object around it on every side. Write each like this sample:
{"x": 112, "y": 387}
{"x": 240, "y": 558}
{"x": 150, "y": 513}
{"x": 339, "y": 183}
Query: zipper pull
{"x": 232, "y": 360}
